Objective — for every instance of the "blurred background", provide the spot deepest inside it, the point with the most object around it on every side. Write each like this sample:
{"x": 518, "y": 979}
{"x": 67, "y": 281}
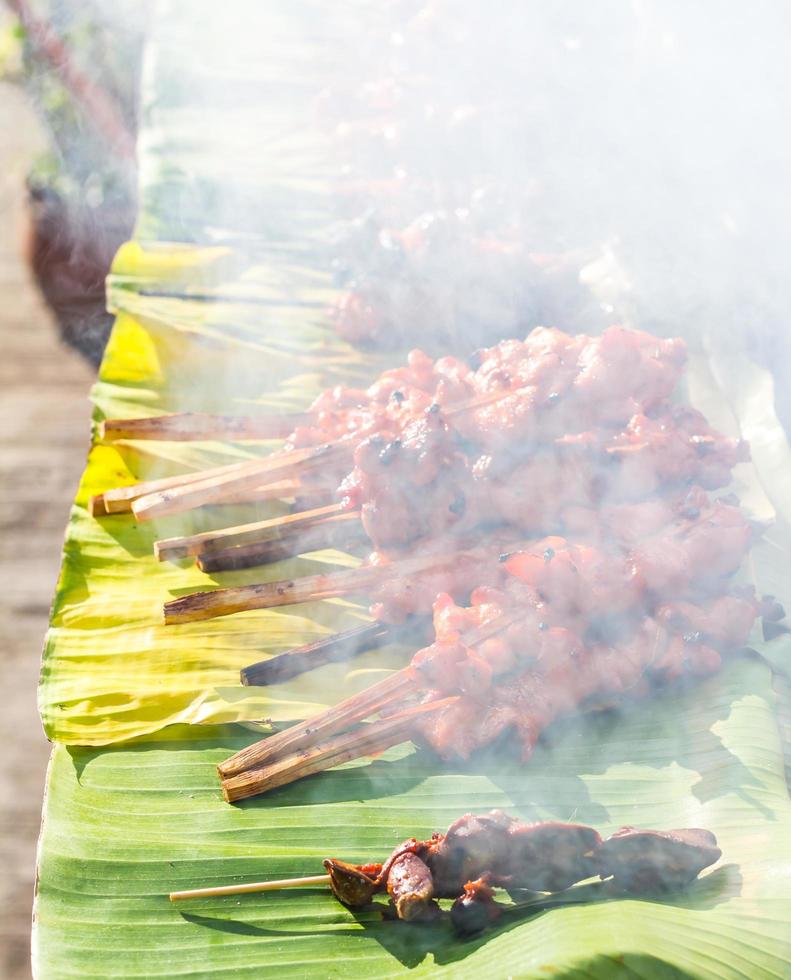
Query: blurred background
{"x": 62, "y": 215}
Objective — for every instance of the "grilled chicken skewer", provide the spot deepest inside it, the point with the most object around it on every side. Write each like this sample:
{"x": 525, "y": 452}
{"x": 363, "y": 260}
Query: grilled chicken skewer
{"x": 548, "y": 583}
{"x": 608, "y": 378}
{"x": 554, "y": 487}
{"x": 519, "y": 678}
{"x": 398, "y": 588}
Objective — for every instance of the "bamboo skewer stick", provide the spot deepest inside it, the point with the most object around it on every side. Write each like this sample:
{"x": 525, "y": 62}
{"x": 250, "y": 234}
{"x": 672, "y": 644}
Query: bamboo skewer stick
{"x": 222, "y": 602}
{"x": 329, "y": 649}
{"x": 193, "y": 426}
{"x": 178, "y": 494}
{"x": 255, "y": 886}
{"x": 570, "y": 896}
{"x": 253, "y": 533}
{"x": 216, "y": 489}
{"x": 343, "y": 531}
{"x": 472, "y": 404}
{"x": 304, "y": 734}
{"x": 367, "y": 740}
{"x": 120, "y": 499}
{"x": 199, "y": 425}
{"x": 100, "y": 506}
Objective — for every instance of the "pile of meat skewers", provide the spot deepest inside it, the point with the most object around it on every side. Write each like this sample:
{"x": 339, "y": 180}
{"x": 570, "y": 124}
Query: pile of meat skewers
{"x": 548, "y": 504}
{"x": 479, "y": 853}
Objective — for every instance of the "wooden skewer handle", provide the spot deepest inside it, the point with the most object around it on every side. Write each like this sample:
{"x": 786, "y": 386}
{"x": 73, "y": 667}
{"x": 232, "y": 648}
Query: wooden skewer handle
{"x": 330, "y": 649}
{"x": 327, "y": 534}
{"x": 306, "y": 733}
{"x": 120, "y": 499}
{"x": 367, "y": 740}
{"x": 255, "y": 886}
{"x": 217, "y": 489}
{"x": 309, "y": 588}
{"x": 255, "y": 532}
{"x": 194, "y": 426}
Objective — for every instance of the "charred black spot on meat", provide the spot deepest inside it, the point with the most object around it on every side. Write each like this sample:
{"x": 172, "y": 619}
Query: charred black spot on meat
{"x": 389, "y": 453}
{"x": 458, "y": 505}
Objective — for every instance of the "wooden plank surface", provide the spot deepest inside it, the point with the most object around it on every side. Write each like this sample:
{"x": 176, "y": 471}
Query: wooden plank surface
{"x": 44, "y": 431}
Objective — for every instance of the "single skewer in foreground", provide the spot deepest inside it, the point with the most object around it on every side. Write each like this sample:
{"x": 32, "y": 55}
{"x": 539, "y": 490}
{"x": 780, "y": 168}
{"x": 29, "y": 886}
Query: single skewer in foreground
{"x": 479, "y": 853}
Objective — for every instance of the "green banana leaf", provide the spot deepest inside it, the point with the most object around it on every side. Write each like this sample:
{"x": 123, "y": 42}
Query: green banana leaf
{"x": 127, "y": 824}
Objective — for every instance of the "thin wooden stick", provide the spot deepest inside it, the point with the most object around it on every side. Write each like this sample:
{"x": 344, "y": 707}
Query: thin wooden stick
{"x": 256, "y": 886}
{"x": 281, "y": 490}
{"x": 193, "y": 426}
{"x": 217, "y": 489}
{"x": 480, "y": 402}
{"x": 345, "y": 531}
{"x": 120, "y": 499}
{"x": 261, "y": 530}
{"x": 97, "y": 506}
{"x": 329, "y": 649}
{"x": 169, "y": 549}
{"x": 367, "y": 702}
{"x": 369, "y": 739}
{"x": 223, "y": 602}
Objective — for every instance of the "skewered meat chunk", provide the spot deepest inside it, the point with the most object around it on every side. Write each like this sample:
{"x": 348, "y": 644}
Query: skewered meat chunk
{"x": 525, "y": 703}
{"x": 688, "y": 553}
{"x": 475, "y": 908}
{"x": 530, "y": 379}
{"x": 646, "y": 861}
{"x": 410, "y": 887}
{"x": 472, "y": 691}
{"x": 430, "y": 457}
{"x": 547, "y": 856}
{"x": 353, "y": 885}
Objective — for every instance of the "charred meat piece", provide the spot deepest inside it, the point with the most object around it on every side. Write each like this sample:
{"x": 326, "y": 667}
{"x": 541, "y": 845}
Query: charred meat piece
{"x": 411, "y": 888}
{"x": 474, "y": 844}
{"x": 475, "y": 909}
{"x": 351, "y": 884}
{"x": 549, "y": 856}
{"x": 649, "y": 861}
